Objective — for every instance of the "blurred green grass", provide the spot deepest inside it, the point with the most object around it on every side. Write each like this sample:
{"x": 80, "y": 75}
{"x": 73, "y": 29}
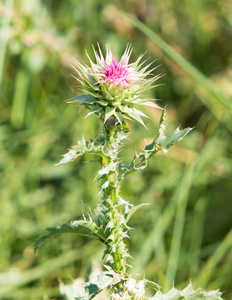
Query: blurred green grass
{"x": 185, "y": 233}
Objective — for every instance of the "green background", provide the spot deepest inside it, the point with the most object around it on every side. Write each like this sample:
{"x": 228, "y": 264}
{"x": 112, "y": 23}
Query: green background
{"x": 185, "y": 233}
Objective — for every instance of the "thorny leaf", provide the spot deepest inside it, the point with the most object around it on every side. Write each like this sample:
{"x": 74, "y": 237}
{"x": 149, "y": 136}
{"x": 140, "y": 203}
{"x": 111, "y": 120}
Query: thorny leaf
{"x": 188, "y": 294}
{"x": 161, "y": 143}
{"x": 95, "y": 147}
{"x": 104, "y": 280}
{"x": 82, "y": 227}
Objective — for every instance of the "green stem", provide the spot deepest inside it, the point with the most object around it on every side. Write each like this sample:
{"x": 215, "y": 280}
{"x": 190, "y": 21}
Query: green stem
{"x": 115, "y": 226}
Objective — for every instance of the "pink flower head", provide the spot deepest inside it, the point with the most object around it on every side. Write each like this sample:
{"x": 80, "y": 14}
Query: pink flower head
{"x": 122, "y": 74}
{"x": 114, "y": 89}
{"x": 116, "y": 73}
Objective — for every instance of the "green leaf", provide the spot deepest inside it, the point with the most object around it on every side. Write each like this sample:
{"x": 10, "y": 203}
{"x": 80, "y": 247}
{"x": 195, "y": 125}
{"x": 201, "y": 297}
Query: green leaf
{"x": 161, "y": 142}
{"x": 93, "y": 147}
{"x": 103, "y": 280}
{"x": 92, "y": 290}
{"x": 123, "y": 171}
{"x": 74, "y": 152}
{"x": 188, "y": 294}
{"x": 70, "y": 156}
{"x": 165, "y": 142}
{"x": 82, "y": 227}
{"x": 98, "y": 281}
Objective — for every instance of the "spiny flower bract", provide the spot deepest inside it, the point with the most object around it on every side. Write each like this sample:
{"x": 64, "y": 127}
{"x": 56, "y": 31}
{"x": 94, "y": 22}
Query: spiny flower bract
{"x": 114, "y": 89}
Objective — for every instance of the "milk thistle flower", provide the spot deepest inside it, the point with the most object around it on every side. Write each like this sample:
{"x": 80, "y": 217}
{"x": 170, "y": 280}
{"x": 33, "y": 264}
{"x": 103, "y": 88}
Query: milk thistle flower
{"x": 114, "y": 89}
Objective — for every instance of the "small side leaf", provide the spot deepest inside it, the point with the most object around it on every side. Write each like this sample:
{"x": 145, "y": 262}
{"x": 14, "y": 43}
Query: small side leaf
{"x": 103, "y": 280}
{"x": 81, "y": 147}
{"x": 78, "y": 227}
{"x": 95, "y": 147}
{"x": 165, "y": 142}
{"x": 161, "y": 143}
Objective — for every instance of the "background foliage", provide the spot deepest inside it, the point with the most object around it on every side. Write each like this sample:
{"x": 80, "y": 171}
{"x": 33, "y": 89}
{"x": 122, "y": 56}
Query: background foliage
{"x": 185, "y": 232}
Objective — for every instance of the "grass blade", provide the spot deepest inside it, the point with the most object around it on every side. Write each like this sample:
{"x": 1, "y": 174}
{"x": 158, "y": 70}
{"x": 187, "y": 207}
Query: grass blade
{"x": 209, "y": 267}
{"x": 181, "y": 201}
{"x": 3, "y": 33}
{"x": 216, "y": 101}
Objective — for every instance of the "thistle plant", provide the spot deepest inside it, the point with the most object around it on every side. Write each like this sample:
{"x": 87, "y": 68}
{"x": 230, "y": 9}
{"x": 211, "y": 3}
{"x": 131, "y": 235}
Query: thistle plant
{"x": 114, "y": 92}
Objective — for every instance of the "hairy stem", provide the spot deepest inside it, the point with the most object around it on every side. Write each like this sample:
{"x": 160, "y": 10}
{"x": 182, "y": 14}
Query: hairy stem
{"x": 111, "y": 201}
